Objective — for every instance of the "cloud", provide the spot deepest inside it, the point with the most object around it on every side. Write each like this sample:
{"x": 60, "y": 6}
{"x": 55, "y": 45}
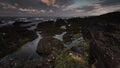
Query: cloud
{"x": 42, "y": 11}
{"x": 97, "y": 10}
{"x": 53, "y": 3}
{"x": 7, "y": 6}
{"x": 79, "y": 4}
{"x": 79, "y": 10}
{"x": 27, "y": 9}
{"x": 91, "y": 10}
{"x": 50, "y": 11}
{"x": 109, "y": 2}
{"x": 31, "y": 10}
{"x": 2, "y": 4}
{"x": 58, "y": 7}
{"x": 49, "y": 2}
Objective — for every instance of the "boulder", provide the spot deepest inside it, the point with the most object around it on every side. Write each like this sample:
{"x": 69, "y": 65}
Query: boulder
{"x": 48, "y": 44}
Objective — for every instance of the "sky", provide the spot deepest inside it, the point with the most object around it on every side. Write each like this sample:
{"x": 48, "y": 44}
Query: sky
{"x": 57, "y": 8}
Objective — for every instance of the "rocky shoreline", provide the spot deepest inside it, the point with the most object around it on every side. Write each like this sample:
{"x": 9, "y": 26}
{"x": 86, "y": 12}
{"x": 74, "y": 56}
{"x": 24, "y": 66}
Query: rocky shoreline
{"x": 99, "y": 48}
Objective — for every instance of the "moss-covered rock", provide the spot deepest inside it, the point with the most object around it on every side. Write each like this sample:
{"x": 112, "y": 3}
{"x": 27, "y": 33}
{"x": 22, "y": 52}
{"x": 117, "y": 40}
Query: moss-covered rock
{"x": 70, "y": 60}
{"x": 78, "y": 35}
{"x": 48, "y": 44}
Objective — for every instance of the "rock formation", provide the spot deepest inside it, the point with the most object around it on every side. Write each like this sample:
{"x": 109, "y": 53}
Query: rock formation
{"x": 103, "y": 34}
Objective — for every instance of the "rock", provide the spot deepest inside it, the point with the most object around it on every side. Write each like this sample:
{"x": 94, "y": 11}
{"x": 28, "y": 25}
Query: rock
{"x": 49, "y": 27}
{"x": 78, "y": 49}
{"x": 65, "y": 60}
{"x": 45, "y": 24}
{"x": 67, "y": 37}
{"x": 47, "y": 44}
{"x": 60, "y": 22}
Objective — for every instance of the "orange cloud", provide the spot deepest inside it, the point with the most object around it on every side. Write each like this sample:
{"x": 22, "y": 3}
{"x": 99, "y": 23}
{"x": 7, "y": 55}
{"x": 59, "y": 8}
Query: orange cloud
{"x": 98, "y": 10}
{"x": 49, "y": 2}
{"x": 52, "y": 3}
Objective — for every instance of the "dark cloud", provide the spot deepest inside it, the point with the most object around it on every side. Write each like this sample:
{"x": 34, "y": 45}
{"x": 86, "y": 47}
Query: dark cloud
{"x": 26, "y": 3}
{"x": 36, "y": 3}
{"x": 66, "y": 2}
{"x": 110, "y": 2}
{"x": 57, "y": 7}
{"x": 86, "y": 8}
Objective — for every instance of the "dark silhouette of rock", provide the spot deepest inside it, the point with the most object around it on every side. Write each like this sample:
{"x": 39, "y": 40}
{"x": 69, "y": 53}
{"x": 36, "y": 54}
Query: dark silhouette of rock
{"x": 50, "y": 28}
{"x": 73, "y": 25}
{"x": 47, "y": 44}
{"x": 49, "y": 24}
{"x": 60, "y": 22}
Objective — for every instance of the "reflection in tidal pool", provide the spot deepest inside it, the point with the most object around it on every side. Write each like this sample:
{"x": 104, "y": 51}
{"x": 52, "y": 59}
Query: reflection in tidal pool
{"x": 26, "y": 52}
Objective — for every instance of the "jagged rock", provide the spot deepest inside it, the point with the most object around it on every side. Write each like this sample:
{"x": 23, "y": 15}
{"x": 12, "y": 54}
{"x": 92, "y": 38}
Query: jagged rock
{"x": 47, "y": 44}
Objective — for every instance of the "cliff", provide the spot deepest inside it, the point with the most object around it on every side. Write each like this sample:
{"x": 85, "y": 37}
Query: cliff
{"x": 103, "y": 34}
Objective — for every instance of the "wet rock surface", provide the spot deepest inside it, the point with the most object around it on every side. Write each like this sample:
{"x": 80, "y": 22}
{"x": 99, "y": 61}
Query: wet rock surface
{"x": 52, "y": 46}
